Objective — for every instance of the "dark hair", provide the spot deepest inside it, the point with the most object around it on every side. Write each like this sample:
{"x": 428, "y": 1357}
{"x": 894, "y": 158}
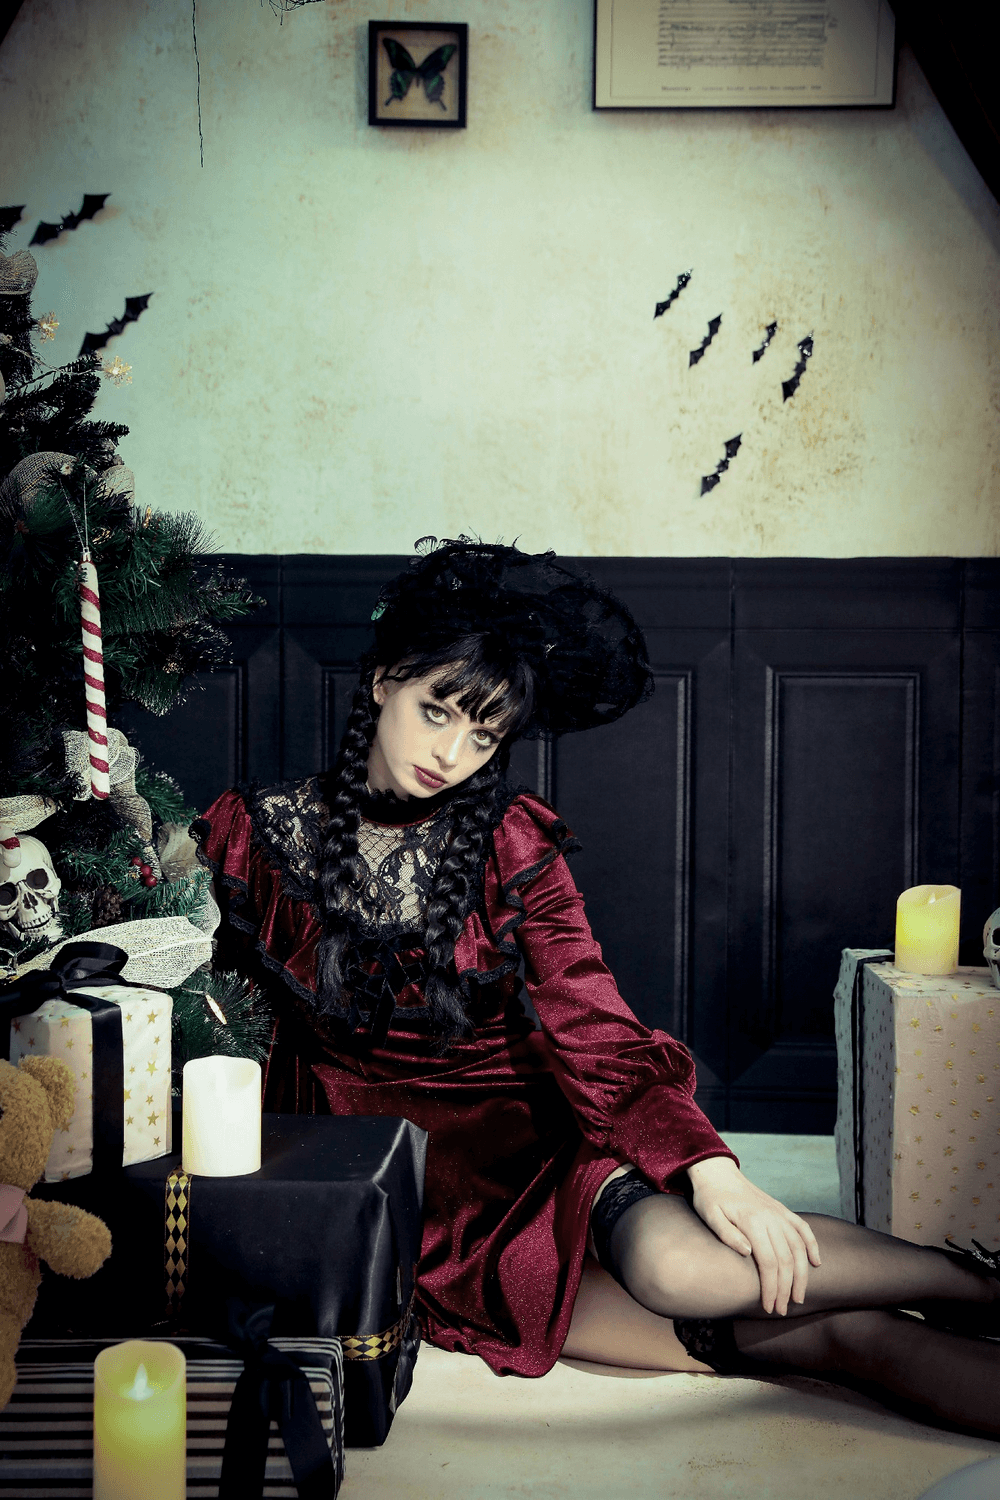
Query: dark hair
{"x": 492, "y": 686}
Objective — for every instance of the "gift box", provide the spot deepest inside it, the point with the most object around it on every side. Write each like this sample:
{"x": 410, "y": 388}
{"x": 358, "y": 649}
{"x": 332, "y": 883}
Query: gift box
{"x": 115, "y": 1037}
{"x": 46, "y": 1430}
{"x": 325, "y": 1236}
{"x": 918, "y": 1113}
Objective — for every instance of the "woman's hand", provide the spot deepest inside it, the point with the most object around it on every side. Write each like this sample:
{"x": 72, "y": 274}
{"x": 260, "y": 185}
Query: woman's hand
{"x": 753, "y": 1223}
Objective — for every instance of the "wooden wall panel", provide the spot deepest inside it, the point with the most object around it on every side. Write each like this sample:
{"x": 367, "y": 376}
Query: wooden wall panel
{"x": 823, "y": 734}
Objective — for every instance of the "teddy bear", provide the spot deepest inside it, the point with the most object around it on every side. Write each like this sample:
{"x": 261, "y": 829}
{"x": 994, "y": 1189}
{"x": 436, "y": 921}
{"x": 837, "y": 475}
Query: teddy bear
{"x": 36, "y": 1100}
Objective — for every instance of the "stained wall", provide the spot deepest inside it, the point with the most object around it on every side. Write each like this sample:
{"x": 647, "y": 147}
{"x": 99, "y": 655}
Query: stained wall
{"x": 359, "y": 336}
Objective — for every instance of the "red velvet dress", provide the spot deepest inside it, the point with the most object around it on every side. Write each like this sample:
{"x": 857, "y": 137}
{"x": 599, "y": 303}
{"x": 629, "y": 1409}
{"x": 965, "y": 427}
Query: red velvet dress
{"x": 524, "y": 1123}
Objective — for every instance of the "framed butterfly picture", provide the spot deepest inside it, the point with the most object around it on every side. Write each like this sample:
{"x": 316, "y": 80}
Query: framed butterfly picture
{"x": 417, "y": 73}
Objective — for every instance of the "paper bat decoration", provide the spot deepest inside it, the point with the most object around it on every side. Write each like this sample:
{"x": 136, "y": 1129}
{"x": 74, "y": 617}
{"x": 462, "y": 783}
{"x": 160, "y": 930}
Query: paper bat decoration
{"x": 133, "y": 307}
{"x": 9, "y": 217}
{"x": 789, "y": 387}
{"x": 713, "y": 329}
{"x": 430, "y": 71}
{"x": 709, "y": 481}
{"x": 92, "y": 204}
{"x": 769, "y": 333}
{"x": 682, "y": 282}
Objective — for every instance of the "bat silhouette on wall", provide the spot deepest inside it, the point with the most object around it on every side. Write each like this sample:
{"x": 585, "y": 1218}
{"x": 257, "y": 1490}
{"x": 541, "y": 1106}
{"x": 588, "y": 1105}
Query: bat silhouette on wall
{"x": 713, "y": 328}
{"x": 769, "y": 333}
{"x": 10, "y": 216}
{"x": 789, "y": 387}
{"x": 92, "y": 204}
{"x": 405, "y": 70}
{"x": 682, "y": 282}
{"x": 133, "y": 307}
{"x": 709, "y": 481}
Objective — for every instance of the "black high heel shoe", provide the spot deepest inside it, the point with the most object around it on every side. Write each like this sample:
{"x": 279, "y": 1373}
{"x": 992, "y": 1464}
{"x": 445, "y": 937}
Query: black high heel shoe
{"x": 971, "y": 1319}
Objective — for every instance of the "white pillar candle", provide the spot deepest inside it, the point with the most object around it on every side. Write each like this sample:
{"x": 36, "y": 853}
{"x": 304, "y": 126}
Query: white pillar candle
{"x": 140, "y": 1422}
{"x": 927, "y": 922}
{"x": 221, "y": 1117}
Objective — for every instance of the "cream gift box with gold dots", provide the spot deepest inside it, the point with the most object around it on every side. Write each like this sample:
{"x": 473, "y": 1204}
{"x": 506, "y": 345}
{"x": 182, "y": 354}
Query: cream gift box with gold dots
{"x": 61, "y": 1029}
{"x": 918, "y": 1110}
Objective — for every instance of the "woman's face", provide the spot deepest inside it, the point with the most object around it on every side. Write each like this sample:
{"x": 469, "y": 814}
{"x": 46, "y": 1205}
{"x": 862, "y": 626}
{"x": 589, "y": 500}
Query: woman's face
{"x": 423, "y": 743}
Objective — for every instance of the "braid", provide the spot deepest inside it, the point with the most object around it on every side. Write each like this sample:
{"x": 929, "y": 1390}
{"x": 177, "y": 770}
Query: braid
{"x": 339, "y": 851}
{"x": 448, "y": 904}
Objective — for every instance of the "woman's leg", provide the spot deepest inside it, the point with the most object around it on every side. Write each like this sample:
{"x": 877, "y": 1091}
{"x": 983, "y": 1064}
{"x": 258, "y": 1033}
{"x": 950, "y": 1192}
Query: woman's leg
{"x": 673, "y": 1264}
{"x": 940, "y": 1376}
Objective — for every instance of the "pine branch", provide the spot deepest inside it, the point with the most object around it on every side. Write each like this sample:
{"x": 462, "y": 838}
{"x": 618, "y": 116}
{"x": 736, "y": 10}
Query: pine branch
{"x": 197, "y": 1029}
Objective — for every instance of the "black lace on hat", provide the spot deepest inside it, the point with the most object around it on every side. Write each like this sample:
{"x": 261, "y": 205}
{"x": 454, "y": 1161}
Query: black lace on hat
{"x": 587, "y": 652}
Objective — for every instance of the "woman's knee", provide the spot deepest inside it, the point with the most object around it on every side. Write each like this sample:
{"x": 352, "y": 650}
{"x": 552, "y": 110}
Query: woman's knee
{"x": 669, "y": 1262}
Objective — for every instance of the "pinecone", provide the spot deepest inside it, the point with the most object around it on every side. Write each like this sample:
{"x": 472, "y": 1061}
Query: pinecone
{"x": 107, "y": 907}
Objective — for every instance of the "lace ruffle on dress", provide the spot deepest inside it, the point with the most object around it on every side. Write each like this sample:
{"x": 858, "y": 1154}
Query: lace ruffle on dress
{"x": 524, "y": 1121}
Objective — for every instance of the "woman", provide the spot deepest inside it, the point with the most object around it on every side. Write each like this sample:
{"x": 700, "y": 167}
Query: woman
{"x": 577, "y": 1200}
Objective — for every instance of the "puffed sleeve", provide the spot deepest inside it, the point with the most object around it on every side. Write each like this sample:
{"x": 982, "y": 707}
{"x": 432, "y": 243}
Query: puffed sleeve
{"x": 631, "y": 1089}
{"x": 261, "y": 919}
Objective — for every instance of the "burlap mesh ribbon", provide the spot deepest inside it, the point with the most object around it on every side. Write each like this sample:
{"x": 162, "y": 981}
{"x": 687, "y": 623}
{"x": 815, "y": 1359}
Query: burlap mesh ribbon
{"x": 162, "y": 951}
{"x": 35, "y": 473}
{"x": 18, "y": 274}
{"x": 122, "y": 763}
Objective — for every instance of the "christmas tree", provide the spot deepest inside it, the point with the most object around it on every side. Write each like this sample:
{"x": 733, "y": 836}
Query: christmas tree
{"x": 103, "y": 603}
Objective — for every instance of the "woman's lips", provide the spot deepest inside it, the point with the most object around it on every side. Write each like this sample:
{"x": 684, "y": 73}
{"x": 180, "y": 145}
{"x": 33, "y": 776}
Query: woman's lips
{"x": 427, "y": 778}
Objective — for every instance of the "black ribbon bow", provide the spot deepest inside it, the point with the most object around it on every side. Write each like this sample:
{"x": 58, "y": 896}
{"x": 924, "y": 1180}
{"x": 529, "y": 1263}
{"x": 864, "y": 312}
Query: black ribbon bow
{"x": 272, "y": 1387}
{"x": 75, "y": 966}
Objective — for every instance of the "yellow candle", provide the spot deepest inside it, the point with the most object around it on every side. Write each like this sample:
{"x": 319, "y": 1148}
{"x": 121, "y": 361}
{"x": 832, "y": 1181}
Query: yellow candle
{"x": 140, "y": 1422}
{"x": 221, "y": 1117}
{"x": 927, "y": 919}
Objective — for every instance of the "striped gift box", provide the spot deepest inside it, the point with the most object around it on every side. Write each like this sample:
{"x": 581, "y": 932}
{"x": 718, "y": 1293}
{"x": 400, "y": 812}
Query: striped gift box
{"x": 47, "y": 1428}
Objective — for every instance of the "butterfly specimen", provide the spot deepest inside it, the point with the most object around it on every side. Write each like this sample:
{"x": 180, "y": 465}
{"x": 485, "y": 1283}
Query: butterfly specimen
{"x": 709, "y": 481}
{"x": 789, "y": 387}
{"x": 682, "y": 282}
{"x": 713, "y": 328}
{"x": 405, "y": 70}
{"x": 769, "y": 333}
{"x": 92, "y": 204}
{"x": 133, "y": 307}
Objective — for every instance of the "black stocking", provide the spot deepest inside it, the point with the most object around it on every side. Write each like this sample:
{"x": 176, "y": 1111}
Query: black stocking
{"x": 845, "y": 1330}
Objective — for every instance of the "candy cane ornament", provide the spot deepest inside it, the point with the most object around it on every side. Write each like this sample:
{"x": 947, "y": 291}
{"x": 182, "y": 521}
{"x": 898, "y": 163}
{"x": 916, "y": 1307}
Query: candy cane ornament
{"x": 93, "y": 676}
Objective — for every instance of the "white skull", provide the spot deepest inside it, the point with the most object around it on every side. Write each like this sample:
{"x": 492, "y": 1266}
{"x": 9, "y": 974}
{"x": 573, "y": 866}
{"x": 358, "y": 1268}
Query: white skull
{"x": 29, "y": 899}
{"x": 991, "y": 945}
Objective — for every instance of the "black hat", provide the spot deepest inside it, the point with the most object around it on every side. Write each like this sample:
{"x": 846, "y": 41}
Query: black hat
{"x": 587, "y": 653}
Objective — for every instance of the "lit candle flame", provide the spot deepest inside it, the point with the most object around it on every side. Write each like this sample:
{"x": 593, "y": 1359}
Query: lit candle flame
{"x": 140, "y": 1389}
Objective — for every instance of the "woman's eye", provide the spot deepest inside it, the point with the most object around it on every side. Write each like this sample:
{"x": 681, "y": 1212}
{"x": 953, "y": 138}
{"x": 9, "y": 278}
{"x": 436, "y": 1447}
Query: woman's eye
{"x": 484, "y": 739}
{"x": 436, "y": 714}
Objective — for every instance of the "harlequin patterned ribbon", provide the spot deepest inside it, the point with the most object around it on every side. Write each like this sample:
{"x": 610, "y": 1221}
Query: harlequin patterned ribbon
{"x": 377, "y": 1345}
{"x": 93, "y": 676}
{"x": 175, "y": 1252}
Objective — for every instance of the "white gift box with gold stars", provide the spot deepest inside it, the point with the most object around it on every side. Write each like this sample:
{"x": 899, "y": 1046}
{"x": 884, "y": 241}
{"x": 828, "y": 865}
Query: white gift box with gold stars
{"x": 61, "y": 1029}
{"x": 918, "y": 1111}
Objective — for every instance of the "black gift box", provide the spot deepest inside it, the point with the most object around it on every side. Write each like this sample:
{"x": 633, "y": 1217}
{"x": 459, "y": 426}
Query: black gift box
{"x": 326, "y": 1234}
{"x": 47, "y": 1428}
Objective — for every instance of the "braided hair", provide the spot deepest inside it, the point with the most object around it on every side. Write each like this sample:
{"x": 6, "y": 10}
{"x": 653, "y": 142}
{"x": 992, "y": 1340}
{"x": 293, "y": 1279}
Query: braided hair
{"x": 489, "y": 684}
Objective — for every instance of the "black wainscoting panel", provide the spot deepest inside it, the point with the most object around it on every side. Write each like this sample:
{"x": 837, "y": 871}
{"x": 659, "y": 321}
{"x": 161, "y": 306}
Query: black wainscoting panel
{"x": 823, "y": 734}
{"x": 845, "y": 792}
{"x": 635, "y": 859}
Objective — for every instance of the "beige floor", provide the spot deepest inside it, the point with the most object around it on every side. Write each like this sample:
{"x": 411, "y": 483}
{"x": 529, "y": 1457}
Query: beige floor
{"x": 586, "y": 1432}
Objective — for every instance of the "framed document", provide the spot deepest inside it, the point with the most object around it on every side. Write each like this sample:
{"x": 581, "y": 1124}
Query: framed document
{"x": 743, "y": 54}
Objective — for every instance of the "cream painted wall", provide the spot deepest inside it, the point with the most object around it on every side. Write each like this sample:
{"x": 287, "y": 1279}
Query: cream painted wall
{"x": 360, "y": 336}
